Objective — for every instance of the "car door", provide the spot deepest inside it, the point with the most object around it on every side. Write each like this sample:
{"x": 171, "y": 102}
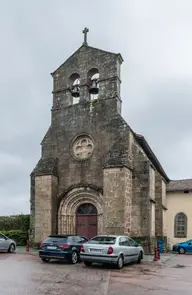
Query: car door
{"x": 134, "y": 249}
{"x": 125, "y": 249}
{"x": 3, "y": 243}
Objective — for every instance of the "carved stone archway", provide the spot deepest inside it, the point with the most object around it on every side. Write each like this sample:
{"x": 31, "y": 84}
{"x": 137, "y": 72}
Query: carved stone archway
{"x": 69, "y": 204}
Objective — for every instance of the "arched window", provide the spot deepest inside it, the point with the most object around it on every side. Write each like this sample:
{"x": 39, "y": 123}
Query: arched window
{"x": 180, "y": 226}
{"x": 86, "y": 209}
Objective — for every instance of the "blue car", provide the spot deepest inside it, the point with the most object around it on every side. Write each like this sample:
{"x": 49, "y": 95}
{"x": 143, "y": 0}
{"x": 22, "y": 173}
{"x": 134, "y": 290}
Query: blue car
{"x": 183, "y": 247}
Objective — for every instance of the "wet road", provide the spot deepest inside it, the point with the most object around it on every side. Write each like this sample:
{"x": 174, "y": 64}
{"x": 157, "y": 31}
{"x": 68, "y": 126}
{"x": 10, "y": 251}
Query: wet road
{"x": 23, "y": 274}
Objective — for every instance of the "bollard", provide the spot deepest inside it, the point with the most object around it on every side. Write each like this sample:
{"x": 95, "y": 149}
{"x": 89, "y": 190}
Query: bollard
{"x": 155, "y": 254}
{"x": 158, "y": 253}
{"x": 27, "y": 246}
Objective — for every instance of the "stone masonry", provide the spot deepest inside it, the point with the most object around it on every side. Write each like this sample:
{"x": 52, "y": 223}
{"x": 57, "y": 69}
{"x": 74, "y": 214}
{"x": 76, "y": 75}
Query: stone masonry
{"x": 90, "y": 155}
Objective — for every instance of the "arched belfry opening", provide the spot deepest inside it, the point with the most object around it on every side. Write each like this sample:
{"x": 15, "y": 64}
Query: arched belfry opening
{"x": 74, "y": 82}
{"x": 93, "y": 82}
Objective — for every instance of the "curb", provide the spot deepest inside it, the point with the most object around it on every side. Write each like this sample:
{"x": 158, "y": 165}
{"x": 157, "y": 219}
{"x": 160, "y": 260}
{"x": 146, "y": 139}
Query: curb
{"x": 28, "y": 253}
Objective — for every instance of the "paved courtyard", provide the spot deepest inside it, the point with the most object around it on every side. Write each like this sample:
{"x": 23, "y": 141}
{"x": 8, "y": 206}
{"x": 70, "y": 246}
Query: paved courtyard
{"x": 24, "y": 274}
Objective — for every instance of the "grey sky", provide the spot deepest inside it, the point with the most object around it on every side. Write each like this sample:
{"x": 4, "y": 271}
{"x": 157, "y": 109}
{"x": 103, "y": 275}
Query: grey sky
{"x": 154, "y": 38}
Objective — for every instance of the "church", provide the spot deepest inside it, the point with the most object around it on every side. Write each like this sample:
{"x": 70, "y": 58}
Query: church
{"x": 95, "y": 175}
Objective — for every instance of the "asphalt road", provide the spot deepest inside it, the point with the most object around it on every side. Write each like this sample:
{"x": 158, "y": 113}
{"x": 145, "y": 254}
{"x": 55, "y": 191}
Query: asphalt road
{"x": 24, "y": 274}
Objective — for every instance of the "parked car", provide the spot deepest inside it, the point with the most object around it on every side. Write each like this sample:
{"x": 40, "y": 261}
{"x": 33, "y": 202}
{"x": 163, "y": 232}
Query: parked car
{"x": 7, "y": 244}
{"x": 62, "y": 247}
{"x": 183, "y": 247}
{"x": 112, "y": 249}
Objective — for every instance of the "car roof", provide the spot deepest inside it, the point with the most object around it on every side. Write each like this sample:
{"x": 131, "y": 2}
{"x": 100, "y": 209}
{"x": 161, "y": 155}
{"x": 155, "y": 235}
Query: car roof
{"x": 113, "y": 236}
{"x": 59, "y": 236}
{"x": 63, "y": 236}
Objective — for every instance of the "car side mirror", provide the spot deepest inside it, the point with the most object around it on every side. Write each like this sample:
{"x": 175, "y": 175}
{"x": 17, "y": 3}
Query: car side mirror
{"x": 189, "y": 243}
{"x": 136, "y": 245}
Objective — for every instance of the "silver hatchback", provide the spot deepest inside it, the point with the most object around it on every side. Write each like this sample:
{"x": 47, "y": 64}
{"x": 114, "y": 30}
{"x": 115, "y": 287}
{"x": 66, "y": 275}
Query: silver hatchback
{"x": 7, "y": 244}
{"x": 113, "y": 249}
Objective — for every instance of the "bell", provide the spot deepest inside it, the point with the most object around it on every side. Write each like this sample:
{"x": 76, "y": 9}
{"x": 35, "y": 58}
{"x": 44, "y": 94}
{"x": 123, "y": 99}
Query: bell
{"x": 94, "y": 89}
{"x": 75, "y": 91}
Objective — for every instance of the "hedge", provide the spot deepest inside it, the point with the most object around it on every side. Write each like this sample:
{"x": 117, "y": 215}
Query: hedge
{"x": 19, "y": 236}
{"x": 15, "y": 222}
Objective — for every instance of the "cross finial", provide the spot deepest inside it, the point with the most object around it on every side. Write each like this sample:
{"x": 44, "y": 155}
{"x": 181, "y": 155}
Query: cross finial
{"x": 85, "y": 31}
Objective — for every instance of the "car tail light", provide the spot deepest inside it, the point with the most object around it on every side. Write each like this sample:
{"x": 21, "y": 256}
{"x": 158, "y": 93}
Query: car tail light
{"x": 42, "y": 245}
{"x": 64, "y": 246}
{"x": 110, "y": 250}
{"x": 82, "y": 249}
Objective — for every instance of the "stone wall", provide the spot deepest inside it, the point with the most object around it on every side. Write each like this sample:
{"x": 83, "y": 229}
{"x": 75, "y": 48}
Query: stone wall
{"x": 45, "y": 201}
{"x": 117, "y": 195}
{"x": 141, "y": 209}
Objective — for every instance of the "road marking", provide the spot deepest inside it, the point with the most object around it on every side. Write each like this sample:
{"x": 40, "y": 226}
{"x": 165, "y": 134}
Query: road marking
{"x": 106, "y": 284}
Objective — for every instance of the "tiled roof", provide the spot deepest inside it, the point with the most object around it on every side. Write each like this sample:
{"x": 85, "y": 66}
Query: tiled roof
{"x": 179, "y": 185}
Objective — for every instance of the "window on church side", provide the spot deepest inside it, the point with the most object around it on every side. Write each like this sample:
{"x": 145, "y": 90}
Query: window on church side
{"x": 180, "y": 226}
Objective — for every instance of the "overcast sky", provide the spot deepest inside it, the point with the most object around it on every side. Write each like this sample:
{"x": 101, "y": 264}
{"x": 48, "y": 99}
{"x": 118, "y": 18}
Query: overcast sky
{"x": 154, "y": 38}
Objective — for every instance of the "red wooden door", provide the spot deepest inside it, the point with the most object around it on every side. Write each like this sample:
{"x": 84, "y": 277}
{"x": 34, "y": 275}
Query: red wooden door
{"x": 86, "y": 221}
{"x": 86, "y": 225}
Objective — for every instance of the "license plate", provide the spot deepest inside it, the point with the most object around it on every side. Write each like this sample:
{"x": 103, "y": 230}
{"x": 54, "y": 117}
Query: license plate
{"x": 95, "y": 250}
{"x": 51, "y": 247}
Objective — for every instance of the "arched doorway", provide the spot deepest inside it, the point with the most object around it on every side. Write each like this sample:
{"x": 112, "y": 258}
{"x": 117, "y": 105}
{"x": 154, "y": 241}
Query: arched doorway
{"x": 86, "y": 220}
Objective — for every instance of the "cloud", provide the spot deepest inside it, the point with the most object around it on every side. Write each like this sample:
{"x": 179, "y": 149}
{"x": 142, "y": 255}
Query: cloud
{"x": 154, "y": 38}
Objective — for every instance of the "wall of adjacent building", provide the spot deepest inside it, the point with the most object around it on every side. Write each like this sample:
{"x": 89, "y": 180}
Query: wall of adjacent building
{"x": 178, "y": 202}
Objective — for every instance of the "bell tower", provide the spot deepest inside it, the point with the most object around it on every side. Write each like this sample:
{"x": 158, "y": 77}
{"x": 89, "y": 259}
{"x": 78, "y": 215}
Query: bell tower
{"x": 89, "y": 74}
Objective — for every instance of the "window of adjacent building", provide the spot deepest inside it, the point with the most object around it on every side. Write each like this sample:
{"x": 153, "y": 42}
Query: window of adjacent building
{"x": 180, "y": 226}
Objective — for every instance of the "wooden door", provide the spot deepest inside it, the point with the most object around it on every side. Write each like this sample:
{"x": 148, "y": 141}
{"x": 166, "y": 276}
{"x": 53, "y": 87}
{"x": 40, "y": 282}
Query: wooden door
{"x": 86, "y": 221}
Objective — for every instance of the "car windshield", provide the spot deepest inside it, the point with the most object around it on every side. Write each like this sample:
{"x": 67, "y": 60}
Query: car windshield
{"x": 56, "y": 239}
{"x": 103, "y": 240}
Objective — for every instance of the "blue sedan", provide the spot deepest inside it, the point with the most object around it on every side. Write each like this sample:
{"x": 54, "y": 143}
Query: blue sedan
{"x": 183, "y": 247}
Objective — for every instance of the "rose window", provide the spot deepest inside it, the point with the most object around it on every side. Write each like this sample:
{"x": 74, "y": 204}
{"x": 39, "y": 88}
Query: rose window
{"x": 82, "y": 148}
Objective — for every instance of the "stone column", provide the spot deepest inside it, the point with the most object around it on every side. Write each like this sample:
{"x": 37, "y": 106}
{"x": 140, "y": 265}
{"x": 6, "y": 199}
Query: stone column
{"x": 45, "y": 207}
{"x": 117, "y": 200}
{"x": 84, "y": 93}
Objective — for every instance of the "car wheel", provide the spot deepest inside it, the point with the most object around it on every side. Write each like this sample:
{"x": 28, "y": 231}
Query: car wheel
{"x": 120, "y": 262}
{"x": 87, "y": 263}
{"x": 45, "y": 259}
{"x": 74, "y": 257}
{"x": 139, "y": 258}
{"x": 11, "y": 248}
{"x": 181, "y": 250}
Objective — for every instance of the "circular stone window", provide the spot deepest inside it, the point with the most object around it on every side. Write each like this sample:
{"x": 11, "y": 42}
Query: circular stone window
{"x": 82, "y": 147}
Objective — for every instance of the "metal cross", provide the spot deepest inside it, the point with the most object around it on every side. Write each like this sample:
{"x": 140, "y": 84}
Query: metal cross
{"x": 85, "y": 31}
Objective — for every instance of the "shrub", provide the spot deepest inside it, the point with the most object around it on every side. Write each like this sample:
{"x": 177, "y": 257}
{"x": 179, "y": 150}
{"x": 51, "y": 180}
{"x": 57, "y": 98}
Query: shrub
{"x": 19, "y": 236}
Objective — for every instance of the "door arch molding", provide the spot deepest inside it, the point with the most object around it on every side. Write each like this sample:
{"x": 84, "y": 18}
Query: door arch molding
{"x": 68, "y": 208}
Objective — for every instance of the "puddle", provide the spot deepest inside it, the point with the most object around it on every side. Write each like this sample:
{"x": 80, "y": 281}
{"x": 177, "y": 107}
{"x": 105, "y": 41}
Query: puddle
{"x": 179, "y": 266}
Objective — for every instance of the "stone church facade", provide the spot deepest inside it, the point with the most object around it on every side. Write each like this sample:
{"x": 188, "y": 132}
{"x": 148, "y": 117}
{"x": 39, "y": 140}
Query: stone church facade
{"x": 95, "y": 174}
